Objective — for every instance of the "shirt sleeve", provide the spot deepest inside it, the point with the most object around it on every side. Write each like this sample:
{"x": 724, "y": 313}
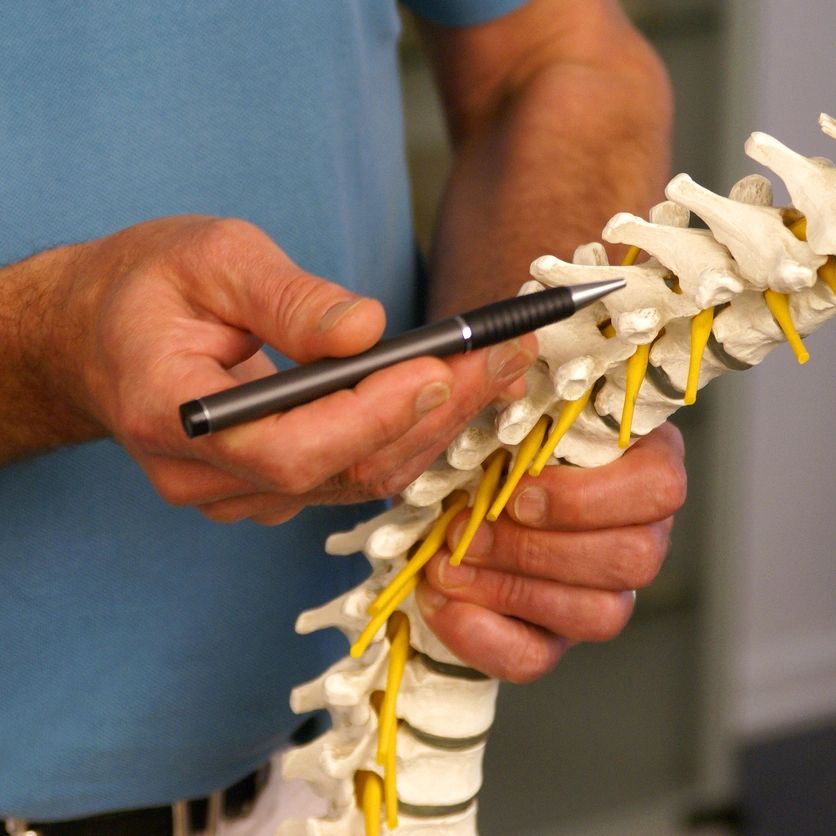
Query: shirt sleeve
{"x": 462, "y": 12}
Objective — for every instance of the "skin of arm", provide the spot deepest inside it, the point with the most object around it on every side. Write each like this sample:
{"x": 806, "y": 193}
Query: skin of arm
{"x": 559, "y": 116}
{"x": 107, "y": 338}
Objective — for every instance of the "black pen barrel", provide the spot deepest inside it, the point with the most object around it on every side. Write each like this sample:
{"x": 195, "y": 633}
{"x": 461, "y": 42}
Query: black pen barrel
{"x": 478, "y": 328}
{"x": 287, "y": 389}
{"x": 510, "y": 318}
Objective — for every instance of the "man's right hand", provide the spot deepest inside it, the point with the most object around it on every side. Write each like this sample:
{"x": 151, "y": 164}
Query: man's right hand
{"x": 109, "y": 337}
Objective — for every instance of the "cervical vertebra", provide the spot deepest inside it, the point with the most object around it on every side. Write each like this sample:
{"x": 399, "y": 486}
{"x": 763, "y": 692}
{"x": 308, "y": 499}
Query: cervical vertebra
{"x": 409, "y": 720}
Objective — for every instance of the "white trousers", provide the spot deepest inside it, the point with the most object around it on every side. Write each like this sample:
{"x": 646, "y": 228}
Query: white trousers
{"x": 278, "y": 801}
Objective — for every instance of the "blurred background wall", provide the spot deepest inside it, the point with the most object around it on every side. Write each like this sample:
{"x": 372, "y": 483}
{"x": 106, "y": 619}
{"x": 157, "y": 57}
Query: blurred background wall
{"x": 715, "y": 711}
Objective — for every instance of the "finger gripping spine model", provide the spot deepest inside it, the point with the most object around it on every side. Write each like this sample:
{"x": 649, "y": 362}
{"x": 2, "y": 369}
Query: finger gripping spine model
{"x": 410, "y": 720}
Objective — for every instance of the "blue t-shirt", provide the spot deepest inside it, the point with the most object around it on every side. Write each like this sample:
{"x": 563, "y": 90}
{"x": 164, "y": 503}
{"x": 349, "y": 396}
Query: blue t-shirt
{"x": 147, "y": 654}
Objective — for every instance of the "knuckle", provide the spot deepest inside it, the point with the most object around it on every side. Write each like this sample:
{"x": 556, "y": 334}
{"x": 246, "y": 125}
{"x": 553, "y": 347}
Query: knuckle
{"x": 672, "y": 488}
{"x": 529, "y": 554}
{"x": 575, "y": 504}
{"x": 397, "y": 481}
{"x": 512, "y": 592}
{"x": 293, "y": 478}
{"x": 342, "y": 487}
{"x": 174, "y": 491}
{"x": 611, "y": 616}
{"x": 222, "y": 513}
{"x": 290, "y": 296}
{"x": 220, "y": 236}
{"x": 222, "y": 241}
{"x": 392, "y": 485}
{"x": 648, "y": 555}
{"x": 366, "y": 480}
{"x": 534, "y": 655}
{"x": 674, "y": 438}
{"x": 366, "y": 487}
{"x": 642, "y": 574}
{"x": 358, "y": 482}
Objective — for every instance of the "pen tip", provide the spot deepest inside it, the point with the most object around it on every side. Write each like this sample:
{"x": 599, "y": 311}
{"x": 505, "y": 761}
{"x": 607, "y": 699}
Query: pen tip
{"x": 586, "y": 294}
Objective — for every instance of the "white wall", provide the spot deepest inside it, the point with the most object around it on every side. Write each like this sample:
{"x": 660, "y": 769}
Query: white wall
{"x": 780, "y": 477}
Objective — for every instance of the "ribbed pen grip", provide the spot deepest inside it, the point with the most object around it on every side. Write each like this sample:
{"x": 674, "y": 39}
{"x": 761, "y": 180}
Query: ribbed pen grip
{"x": 507, "y": 319}
{"x": 474, "y": 329}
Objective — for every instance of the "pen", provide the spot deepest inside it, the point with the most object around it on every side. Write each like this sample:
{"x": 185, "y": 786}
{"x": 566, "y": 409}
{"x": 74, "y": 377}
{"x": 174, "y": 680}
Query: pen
{"x": 458, "y": 334}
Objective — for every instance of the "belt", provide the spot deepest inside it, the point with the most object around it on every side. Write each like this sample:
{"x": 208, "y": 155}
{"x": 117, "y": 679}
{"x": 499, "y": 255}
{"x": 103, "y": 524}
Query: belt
{"x": 182, "y": 818}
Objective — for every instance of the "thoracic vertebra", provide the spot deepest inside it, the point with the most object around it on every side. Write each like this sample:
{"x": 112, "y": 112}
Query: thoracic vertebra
{"x": 704, "y": 303}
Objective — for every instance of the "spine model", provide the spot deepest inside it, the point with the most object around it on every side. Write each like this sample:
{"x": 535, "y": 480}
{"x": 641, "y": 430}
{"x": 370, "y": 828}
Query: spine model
{"x": 409, "y": 720}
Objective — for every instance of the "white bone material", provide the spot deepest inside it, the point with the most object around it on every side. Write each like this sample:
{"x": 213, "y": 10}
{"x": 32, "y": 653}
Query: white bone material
{"x": 444, "y": 708}
{"x": 515, "y": 422}
{"x": 767, "y": 253}
{"x": 706, "y": 271}
{"x": 475, "y": 443}
{"x": 349, "y": 822}
{"x": 811, "y": 184}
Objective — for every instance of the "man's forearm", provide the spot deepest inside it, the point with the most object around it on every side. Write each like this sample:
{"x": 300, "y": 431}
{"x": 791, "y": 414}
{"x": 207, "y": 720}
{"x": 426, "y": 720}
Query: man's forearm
{"x": 559, "y": 149}
{"x": 38, "y": 336}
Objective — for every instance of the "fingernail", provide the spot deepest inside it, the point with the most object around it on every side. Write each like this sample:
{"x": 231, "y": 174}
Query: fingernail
{"x": 507, "y": 361}
{"x": 431, "y": 397}
{"x": 336, "y": 312}
{"x": 530, "y": 506}
{"x": 455, "y": 577}
{"x": 429, "y": 600}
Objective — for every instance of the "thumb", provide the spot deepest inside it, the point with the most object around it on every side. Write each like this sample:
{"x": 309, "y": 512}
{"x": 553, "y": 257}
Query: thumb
{"x": 255, "y": 286}
{"x": 306, "y": 317}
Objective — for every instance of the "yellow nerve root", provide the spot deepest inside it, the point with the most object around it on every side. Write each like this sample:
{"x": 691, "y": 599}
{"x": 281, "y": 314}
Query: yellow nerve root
{"x": 779, "y": 306}
{"x": 700, "y": 332}
{"x": 636, "y": 369}
{"x": 390, "y": 789}
{"x": 827, "y": 272}
{"x": 525, "y": 454}
{"x": 630, "y": 258}
{"x": 572, "y": 409}
{"x": 369, "y": 790}
{"x": 568, "y": 415}
{"x": 398, "y": 653}
{"x": 387, "y": 720}
{"x": 380, "y": 618}
{"x": 799, "y": 229}
{"x": 494, "y": 465}
{"x": 431, "y": 544}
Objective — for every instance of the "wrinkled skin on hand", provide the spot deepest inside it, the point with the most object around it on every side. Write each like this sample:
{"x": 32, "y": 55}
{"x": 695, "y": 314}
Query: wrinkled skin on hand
{"x": 176, "y": 308}
{"x": 562, "y": 564}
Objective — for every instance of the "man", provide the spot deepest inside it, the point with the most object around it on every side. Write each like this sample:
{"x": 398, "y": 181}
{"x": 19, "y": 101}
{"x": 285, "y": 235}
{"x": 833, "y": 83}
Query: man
{"x": 148, "y": 650}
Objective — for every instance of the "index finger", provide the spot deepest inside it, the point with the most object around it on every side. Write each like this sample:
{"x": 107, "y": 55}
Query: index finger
{"x": 647, "y": 484}
{"x": 297, "y": 451}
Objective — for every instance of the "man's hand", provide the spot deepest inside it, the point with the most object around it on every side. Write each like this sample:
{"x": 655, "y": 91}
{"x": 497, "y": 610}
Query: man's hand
{"x": 560, "y": 116}
{"x": 116, "y": 333}
{"x": 561, "y": 565}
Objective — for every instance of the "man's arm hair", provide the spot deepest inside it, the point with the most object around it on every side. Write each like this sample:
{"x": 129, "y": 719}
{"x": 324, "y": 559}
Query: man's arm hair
{"x": 559, "y": 115}
{"x": 39, "y": 335}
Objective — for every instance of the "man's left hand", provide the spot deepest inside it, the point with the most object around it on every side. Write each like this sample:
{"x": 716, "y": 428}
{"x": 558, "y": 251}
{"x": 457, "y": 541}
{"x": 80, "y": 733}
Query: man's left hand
{"x": 561, "y": 564}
